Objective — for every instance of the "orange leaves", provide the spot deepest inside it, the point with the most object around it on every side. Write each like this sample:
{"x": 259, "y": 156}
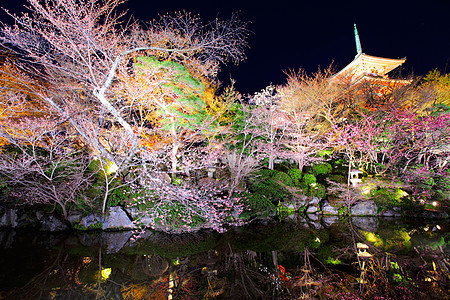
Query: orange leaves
{"x": 149, "y": 139}
{"x": 151, "y": 142}
{"x": 18, "y": 93}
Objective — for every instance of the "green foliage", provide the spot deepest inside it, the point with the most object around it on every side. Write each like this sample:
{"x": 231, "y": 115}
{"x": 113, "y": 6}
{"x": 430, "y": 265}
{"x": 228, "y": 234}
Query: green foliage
{"x": 270, "y": 189}
{"x": 296, "y": 176}
{"x": 435, "y": 76}
{"x": 443, "y": 180}
{"x": 317, "y": 190}
{"x": 179, "y": 75}
{"x": 267, "y": 183}
{"x": 390, "y": 240}
{"x": 339, "y": 166}
{"x": 96, "y": 226}
{"x": 185, "y": 101}
{"x": 388, "y": 198}
{"x": 284, "y": 211}
{"x": 265, "y": 174}
{"x": 327, "y": 255}
{"x": 94, "y": 166}
{"x": 282, "y": 178}
{"x": 342, "y": 211}
{"x": 309, "y": 179}
{"x": 439, "y": 244}
{"x": 325, "y": 153}
{"x": 333, "y": 261}
{"x": 4, "y": 188}
{"x": 177, "y": 181}
{"x": 237, "y": 115}
{"x": 321, "y": 169}
{"x": 175, "y": 214}
{"x": 441, "y": 86}
{"x": 173, "y": 250}
{"x": 119, "y": 196}
{"x": 309, "y": 186}
{"x": 256, "y": 205}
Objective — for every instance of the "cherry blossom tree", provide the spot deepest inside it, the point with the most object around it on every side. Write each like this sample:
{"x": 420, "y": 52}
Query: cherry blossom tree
{"x": 270, "y": 122}
{"x": 41, "y": 164}
{"x": 310, "y": 105}
{"x": 79, "y": 52}
{"x": 78, "y": 48}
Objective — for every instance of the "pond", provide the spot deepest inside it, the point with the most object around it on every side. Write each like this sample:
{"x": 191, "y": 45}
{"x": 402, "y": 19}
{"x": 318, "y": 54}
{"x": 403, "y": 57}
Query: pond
{"x": 359, "y": 258}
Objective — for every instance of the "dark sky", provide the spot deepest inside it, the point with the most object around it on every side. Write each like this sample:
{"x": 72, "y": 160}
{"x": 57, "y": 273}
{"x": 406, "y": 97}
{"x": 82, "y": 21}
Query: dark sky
{"x": 288, "y": 35}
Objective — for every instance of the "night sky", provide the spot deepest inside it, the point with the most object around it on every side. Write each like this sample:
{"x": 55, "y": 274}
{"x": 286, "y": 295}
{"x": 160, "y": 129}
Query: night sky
{"x": 288, "y": 35}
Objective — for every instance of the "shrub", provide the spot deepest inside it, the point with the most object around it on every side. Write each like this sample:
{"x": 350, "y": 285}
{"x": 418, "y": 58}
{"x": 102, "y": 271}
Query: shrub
{"x": 177, "y": 216}
{"x": 267, "y": 183}
{"x": 270, "y": 189}
{"x": 317, "y": 190}
{"x": 283, "y": 178}
{"x": 119, "y": 195}
{"x": 388, "y": 198}
{"x": 309, "y": 179}
{"x": 265, "y": 174}
{"x": 321, "y": 169}
{"x": 296, "y": 176}
{"x": 256, "y": 205}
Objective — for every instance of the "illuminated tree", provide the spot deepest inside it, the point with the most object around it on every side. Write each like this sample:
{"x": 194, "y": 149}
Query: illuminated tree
{"x": 311, "y": 105}
{"x": 270, "y": 122}
{"x": 79, "y": 52}
{"x": 441, "y": 84}
{"x": 316, "y": 101}
{"x": 245, "y": 144}
{"x": 40, "y": 164}
{"x": 170, "y": 100}
{"x": 79, "y": 47}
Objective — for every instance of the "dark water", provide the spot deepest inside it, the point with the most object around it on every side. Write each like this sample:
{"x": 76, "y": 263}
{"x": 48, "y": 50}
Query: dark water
{"x": 295, "y": 259}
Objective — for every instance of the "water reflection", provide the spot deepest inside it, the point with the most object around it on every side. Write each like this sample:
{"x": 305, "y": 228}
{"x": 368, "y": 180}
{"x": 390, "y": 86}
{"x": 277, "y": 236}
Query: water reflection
{"x": 347, "y": 259}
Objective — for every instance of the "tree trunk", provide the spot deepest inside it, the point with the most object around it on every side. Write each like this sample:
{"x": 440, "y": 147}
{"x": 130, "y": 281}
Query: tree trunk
{"x": 175, "y": 146}
{"x": 271, "y": 163}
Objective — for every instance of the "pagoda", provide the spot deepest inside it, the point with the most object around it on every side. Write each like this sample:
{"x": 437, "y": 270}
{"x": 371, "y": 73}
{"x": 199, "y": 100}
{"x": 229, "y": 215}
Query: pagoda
{"x": 370, "y": 70}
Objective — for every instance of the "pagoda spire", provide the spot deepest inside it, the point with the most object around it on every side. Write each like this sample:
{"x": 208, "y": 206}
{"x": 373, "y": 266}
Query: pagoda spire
{"x": 358, "y": 42}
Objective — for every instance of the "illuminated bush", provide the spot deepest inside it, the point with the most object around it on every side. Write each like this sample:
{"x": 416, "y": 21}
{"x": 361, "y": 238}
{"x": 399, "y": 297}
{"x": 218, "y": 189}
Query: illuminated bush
{"x": 296, "y": 176}
{"x": 283, "y": 178}
{"x": 321, "y": 169}
{"x": 309, "y": 179}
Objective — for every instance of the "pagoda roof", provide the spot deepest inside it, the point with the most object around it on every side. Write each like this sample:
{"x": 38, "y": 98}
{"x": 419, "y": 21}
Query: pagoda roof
{"x": 381, "y": 80}
{"x": 364, "y": 64}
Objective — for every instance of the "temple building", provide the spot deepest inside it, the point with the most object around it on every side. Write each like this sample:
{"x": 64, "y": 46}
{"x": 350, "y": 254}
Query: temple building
{"x": 370, "y": 71}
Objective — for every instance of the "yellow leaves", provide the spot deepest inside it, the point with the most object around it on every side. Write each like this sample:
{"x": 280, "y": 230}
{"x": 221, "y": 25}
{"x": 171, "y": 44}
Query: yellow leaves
{"x": 219, "y": 107}
{"x": 441, "y": 86}
{"x": 3, "y": 142}
{"x": 215, "y": 106}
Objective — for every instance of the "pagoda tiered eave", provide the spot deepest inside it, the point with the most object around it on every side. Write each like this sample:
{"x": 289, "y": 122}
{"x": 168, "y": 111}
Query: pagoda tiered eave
{"x": 367, "y": 65}
{"x": 381, "y": 80}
